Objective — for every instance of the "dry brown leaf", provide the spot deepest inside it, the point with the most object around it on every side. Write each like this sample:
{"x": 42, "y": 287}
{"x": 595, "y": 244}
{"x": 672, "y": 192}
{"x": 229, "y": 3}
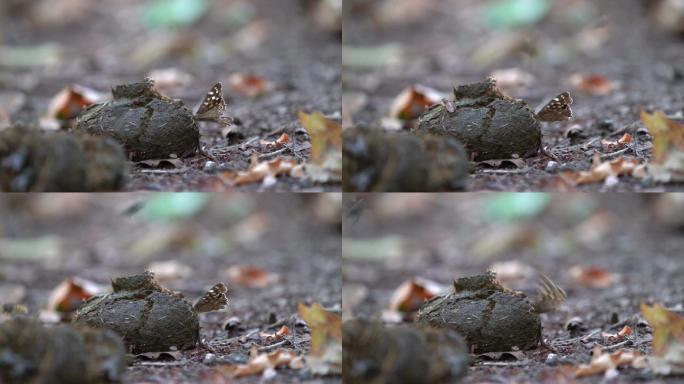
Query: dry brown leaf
{"x": 668, "y": 147}
{"x": 276, "y": 336}
{"x": 411, "y": 294}
{"x": 668, "y": 339}
{"x": 326, "y": 136}
{"x": 593, "y": 84}
{"x": 250, "y": 276}
{"x": 605, "y": 362}
{"x": 615, "y": 337}
{"x": 260, "y": 171}
{"x": 276, "y": 144}
{"x": 325, "y": 356}
{"x": 258, "y": 363}
{"x": 615, "y": 145}
{"x": 71, "y": 101}
{"x": 248, "y": 84}
{"x": 593, "y": 277}
{"x": 70, "y": 293}
{"x": 412, "y": 101}
{"x": 607, "y": 170}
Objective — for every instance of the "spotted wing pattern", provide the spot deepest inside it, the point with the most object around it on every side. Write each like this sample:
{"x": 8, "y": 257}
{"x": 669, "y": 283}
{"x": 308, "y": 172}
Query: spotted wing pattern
{"x": 213, "y": 300}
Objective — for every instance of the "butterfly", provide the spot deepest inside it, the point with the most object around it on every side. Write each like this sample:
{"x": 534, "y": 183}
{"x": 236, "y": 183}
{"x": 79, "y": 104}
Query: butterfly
{"x": 549, "y": 295}
{"x": 558, "y": 109}
{"x": 213, "y": 300}
{"x": 212, "y": 107}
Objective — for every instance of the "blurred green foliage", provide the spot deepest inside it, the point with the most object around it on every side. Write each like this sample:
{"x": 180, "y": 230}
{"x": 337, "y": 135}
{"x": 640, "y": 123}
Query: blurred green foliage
{"x": 511, "y": 206}
{"x": 514, "y": 13}
{"x": 169, "y": 206}
{"x": 173, "y": 13}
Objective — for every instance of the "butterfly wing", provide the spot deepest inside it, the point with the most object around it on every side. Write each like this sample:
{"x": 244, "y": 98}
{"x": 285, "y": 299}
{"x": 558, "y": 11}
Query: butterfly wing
{"x": 213, "y": 104}
{"x": 213, "y": 300}
{"x": 549, "y": 296}
{"x": 558, "y": 109}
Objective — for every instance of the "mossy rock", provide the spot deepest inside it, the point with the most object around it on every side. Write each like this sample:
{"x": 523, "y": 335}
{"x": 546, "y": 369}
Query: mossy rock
{"x": 378, "y": 161}
{"x": 491, "y": 318}
{"x": 61, "y": 354}
{"x": 375, "y": 353}
{"x": 148, "y": 317}
{"x": 490, "y": 124}
{"x": 32, "y": 160}
{"x": 147, "y": 124}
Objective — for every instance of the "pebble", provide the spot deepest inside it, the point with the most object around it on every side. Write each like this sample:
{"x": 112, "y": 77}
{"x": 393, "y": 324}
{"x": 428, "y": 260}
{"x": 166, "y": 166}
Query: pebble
{"x": 209, "y": 166}
{"x": 552, "y": 358}
{"x": 209, "y": 358}
{"x": 552, "y": 166}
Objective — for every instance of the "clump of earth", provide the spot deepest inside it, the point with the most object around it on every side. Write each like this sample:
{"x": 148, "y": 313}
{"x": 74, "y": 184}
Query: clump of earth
{"x": 147, "y": 124}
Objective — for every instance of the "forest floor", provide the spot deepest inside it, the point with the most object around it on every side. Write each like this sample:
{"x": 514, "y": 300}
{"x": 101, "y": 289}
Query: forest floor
{"x": 295, "y": 62}
{"x": 629, "y": 61}
{"x": 99, "y": 238}
{"x": 441, "y": 238}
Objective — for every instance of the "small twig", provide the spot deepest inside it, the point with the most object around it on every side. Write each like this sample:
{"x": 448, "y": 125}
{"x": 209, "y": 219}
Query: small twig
{"x": 502, "y": 363}
{"x": 616, "y": 346}
{"x": 278, "y": 344}
{"x": 161, "y": 363}
{"x": 278, "y": 152}
{"x": 614, "y": 154}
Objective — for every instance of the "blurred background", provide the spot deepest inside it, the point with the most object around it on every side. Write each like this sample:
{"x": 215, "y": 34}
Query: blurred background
{"x": 614, "y": 56}
{"x": 273, "y": 252}
{"x": 608, "y": 252}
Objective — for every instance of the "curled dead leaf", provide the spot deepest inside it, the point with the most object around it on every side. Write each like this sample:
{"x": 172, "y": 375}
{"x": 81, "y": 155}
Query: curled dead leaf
{"x": 615, "y": 145}
{"x": 276, "y": 144}
{"x": 602, "y": 363}
{"x": 619, "y": 336}
{"x": 71, "y": 101}
{"x": 70, "y": 293}
{"x": 260, "y": 171}
{"x": 326, "y": 339}
{"x": 276, "y": 336}
{"x": 411, "y": 294}
{"x": 412, "y": 101}
{"x": 607, "y": 170}
{"x": 259, "y": 363}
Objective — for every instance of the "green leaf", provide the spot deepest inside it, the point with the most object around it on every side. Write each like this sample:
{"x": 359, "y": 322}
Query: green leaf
{"x": 508, "y": 206}
{"x": 173, "y": 13}
{"x": 165, "y": 206}
{"x": 514, "y": 13}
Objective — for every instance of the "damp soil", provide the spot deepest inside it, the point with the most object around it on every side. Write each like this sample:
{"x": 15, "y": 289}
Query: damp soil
{"x": 440, "y": 237}
{"x": 438, "y": 49}
{"x": 98, "y": 242}
{"x": 102, "y": 49}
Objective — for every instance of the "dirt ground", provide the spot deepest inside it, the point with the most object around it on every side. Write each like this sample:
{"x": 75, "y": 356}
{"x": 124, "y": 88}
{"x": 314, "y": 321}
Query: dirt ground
{"x": 445, "y": 42}
{"x": 100, "y": 237}
{"x": 448, "y": 236}
{"x": 102, "y": 44}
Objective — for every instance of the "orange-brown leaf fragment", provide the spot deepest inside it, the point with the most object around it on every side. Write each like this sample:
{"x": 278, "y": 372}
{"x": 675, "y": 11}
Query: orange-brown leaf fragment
{"x": 276, "y": 144}
{"x": 248, "y": 84}
{"x": 593, "y": 84}
{"x": 412, "y": 101}
{"x": 605, "y": 362}
{"x": 250, "y": 276}
{"x": 411, "y": 294}
{"x": 593, "y": 277}
{"x": 70, "y": 293}
{"x": 276, "y": 336}
{"x": 71, "y": 101}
